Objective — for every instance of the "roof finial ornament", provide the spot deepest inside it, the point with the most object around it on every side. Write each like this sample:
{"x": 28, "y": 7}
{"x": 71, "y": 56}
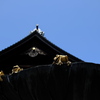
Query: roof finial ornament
{"x": 38, "y": 30}
{"x": 37, "y": 26}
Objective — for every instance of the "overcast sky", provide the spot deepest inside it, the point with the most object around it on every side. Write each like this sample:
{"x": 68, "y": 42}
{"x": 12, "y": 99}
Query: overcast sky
{"x": 73, "y": 25}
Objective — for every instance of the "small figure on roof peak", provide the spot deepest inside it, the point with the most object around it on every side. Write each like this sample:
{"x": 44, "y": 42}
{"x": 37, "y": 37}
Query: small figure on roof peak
{"x": 38, "y": 30}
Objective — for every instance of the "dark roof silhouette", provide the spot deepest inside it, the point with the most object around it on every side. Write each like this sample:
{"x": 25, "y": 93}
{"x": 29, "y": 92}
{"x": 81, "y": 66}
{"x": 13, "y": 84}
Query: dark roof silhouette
{"x": 18, "y": 53}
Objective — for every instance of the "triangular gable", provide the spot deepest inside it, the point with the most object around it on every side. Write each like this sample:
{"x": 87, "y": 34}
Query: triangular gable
{"x": 17, "y": 53}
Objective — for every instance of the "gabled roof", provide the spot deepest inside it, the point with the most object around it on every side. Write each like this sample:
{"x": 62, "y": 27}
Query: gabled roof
{"x": 16, "y": 54}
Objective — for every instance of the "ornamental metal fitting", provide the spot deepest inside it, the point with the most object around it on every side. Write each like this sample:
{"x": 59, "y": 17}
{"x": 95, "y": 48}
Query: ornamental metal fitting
{"x": 38, "y": 30}
{"x": 34, "y": 51}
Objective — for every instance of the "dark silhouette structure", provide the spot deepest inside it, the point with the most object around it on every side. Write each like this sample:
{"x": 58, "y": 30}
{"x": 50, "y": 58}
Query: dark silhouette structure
{"x": 39, "y": 79}
{"x": 33, "y": 50}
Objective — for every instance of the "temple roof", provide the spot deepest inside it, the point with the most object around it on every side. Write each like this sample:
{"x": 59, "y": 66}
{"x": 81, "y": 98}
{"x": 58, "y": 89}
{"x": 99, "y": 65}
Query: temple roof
{"x": 20, "y": 52}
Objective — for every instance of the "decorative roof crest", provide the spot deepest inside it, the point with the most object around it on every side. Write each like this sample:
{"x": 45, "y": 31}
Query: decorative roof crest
{"x": 34, "y": 51}
{"x": 38, "y": 30}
